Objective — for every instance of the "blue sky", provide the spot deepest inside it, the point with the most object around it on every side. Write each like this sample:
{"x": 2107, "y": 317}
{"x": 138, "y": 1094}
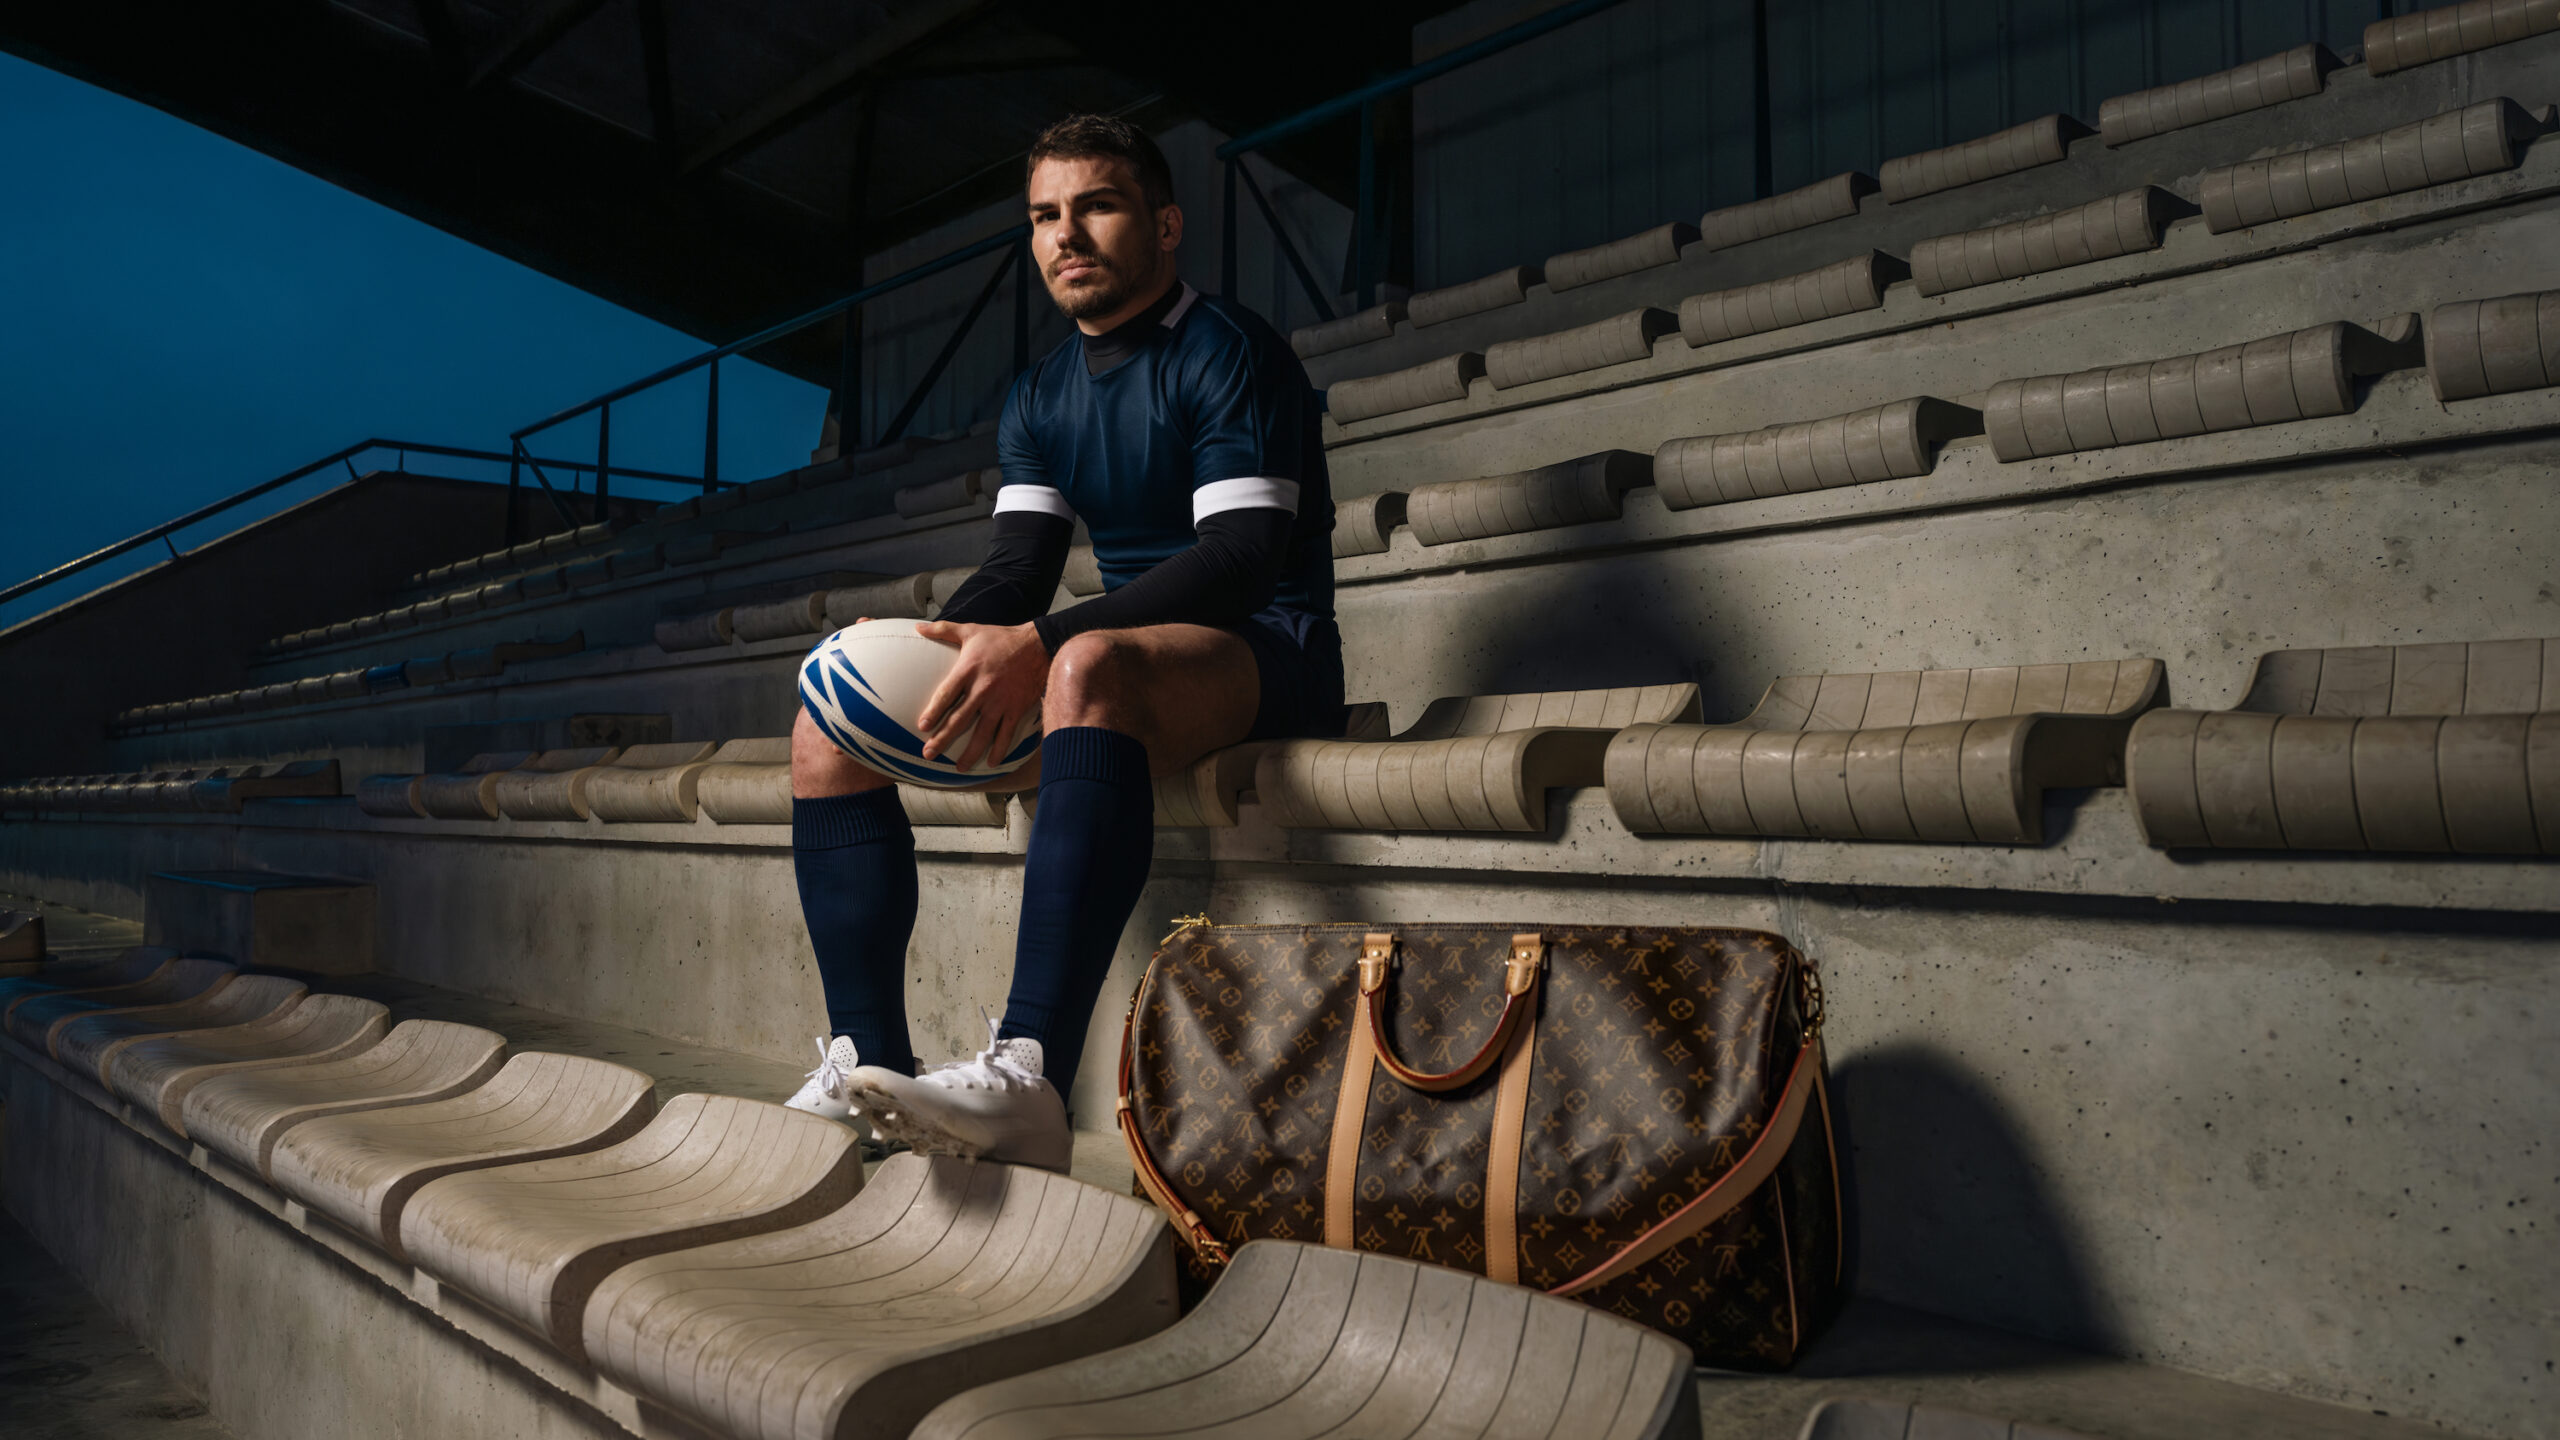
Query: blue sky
{"x": 181, "y": 318}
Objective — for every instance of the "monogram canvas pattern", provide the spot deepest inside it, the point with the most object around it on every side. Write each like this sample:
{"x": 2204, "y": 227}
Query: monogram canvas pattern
{"x": 1657, "y": 1059}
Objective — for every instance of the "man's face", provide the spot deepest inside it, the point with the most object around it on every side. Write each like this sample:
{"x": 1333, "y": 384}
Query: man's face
{"x": 1097, "y": 244}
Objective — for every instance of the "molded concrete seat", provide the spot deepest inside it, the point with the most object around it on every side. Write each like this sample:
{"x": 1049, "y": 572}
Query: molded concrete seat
{"x": 130, "y": 968}
{"x": 289, "y": 780}
{"x": 21, "y": 937}
{"x": 1482, "y": 762}
{"x": 1936, "y": 755}
{"x": 1366, "y": 525}
{"x": 1361, "y": 327}
{"x": 1882, "y": 442}
{"x": 157, "y": 1072}
{"x": 1433, "y": 382}
{"x": 1617, "y": 340}
{"x": 546, "y": 787}
{"x": 1574, "y": 492}
{"x": 1832, "y": 198}
{"x": 2125, "y": 224}
{"x": 2477, "y": 139}
{"x": 1212, "y": 791}
{"x": 2430, "y": 748}
{"x": 779, "y": 619}
{"x": 2295, "y": 74}
{"x": 2450, "y": 30}
{"x": 1301, "y": 1341}
{"x": 951, "y": 492}
{"x": 908, "y": 597}
{"x": 470, "y": 793}
{"x": 697, "y": 632}
{"x": 748, "y": 782}
{"x": 241, "y": 1116}
{"x": 1843, "y": 287}
{"x": 1888, "y": 1420}
{"x": 2041, "y": 141}
{"x": 646, "y": 782}
{"x": 532, "y": 1240}
{"x": 2493, "y": 347}
{"x": 2301, "y": 375}
{"x": 87, "y": 1042}
{"x": 361, "y": 1169}
{"x": 943, "y": 1274}
{"x": 1641, "y": 251}
{"x": 33, "y": 1017}
{"x": 1473, "y": 297}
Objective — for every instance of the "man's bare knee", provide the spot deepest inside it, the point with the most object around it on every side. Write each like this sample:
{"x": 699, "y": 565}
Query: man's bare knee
{"x": 1096, "y": 679}
{"x": 819, "y": 769}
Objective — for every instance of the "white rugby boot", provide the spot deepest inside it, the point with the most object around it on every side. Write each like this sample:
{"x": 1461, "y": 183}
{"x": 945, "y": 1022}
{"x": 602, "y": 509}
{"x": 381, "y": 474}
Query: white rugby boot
{"x": 995, "y": 1107}
{"x": 827, "y": 1093}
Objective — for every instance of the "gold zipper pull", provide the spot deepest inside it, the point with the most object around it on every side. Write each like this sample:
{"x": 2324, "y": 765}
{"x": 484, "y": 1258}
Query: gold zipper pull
{"x": 1182, "y": 923}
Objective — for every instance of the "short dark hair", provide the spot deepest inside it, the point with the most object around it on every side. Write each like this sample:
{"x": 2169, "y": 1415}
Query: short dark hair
{"x": 1087, "y": 137}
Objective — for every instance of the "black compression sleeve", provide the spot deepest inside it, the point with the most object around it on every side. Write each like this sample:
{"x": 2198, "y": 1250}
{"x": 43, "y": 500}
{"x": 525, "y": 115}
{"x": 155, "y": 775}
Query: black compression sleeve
{"x": 1226, "y": 575}
{"x": 1019, "y": 580}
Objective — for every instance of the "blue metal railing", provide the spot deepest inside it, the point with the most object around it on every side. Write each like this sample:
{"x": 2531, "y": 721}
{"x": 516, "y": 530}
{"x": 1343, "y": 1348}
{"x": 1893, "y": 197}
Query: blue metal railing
{"x": 345, "y": 457}
{"x": 1369, "y": 237}
{"x": 1015, "y": 242}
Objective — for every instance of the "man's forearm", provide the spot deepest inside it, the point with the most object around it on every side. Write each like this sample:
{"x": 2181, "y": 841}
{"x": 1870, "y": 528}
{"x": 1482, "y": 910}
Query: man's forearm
{"x": 1019, "y": 580}
{"x": 1228, "y": 573}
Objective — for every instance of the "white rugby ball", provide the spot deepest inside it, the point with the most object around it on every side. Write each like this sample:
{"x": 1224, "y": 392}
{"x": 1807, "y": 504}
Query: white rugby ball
{"x": 864, "y": 687}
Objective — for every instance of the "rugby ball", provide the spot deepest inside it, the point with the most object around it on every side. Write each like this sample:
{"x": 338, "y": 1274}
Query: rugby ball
{"x": 864, "y": 687}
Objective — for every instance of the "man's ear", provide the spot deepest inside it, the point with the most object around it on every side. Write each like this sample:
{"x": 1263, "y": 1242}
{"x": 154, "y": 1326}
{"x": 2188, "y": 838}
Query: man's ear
{"x": 1169, "y": 228}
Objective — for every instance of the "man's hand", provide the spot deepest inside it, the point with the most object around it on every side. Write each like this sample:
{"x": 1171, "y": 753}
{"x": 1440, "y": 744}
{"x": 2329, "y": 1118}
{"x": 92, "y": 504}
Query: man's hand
{"x": 1002, "y": 673}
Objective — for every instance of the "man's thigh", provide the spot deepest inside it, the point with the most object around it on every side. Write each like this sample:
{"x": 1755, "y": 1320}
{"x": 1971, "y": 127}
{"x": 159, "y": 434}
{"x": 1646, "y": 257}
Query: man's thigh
{"x": 1181, "y": 690}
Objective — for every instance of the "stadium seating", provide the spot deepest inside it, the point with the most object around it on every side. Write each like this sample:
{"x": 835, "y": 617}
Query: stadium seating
{"x": 157, "y": 1073}
{"x": 1883, "y": 442}
{"x": 533, "y": 1239}
{"x": 86, "y": 1043}
{"x": 1942, "y": 756}
{"x": 2123, "y": 224}
{"x": 2293, "y": 74}
{"x": 1302, "y": 1341}
{"x": 241, "y": 1116}
{"x": 2442, "y": 32}
{"x": 2494, "y": 347}
{"x": 2437, "y": 747}
{"x": 2477, "y": 139}
{"x": 361, "y": 1168}
{"x": 942, "y": 1275}
{"x": 132, "y": 967}
{"x": 1481, "y": 762}
{"x": 34, "y": 1017}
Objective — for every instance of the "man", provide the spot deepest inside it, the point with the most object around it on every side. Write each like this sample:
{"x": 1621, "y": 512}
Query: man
{"x": 1183, "y": 432}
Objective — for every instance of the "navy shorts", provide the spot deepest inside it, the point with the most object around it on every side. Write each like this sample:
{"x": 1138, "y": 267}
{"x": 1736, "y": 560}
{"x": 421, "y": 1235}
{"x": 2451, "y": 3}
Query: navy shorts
{"x": 1299, "y": 659}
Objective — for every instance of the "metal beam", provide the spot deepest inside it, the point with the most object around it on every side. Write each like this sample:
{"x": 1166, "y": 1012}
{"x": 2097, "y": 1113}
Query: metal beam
{"x": 910, "y": 26}
{"x": 652, "y": 17}
{"x": 554, "y": 19}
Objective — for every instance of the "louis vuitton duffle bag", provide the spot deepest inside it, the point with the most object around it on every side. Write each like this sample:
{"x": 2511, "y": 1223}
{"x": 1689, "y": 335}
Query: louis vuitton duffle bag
{"x": 1630, "y": 1116}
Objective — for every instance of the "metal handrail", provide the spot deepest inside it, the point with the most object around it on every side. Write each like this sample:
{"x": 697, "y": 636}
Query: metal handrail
{"x": 1365, "y": 242}
{"x": 345, "y": 457}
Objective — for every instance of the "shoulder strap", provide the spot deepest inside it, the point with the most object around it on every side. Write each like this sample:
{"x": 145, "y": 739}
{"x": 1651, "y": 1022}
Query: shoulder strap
{"x": 1712, "y": 1204}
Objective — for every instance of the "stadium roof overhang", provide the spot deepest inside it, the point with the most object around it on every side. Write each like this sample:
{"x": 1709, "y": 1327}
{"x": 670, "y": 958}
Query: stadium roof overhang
{"x": 714, "y": 164}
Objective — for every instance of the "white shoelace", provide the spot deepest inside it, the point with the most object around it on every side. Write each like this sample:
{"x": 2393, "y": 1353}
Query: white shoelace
{"x": 993, "y": 1069}
{"x": 830, "y": 1076}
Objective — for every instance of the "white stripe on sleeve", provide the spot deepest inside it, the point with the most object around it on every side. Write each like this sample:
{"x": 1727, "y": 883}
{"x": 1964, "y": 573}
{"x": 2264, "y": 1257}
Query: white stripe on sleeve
{"x": 1034, "y": 497}
{"x": 1250, "y": 492}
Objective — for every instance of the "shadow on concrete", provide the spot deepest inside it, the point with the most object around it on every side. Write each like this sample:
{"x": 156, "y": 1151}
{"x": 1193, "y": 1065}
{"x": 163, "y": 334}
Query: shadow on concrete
{"x": 1948, "y": 1210}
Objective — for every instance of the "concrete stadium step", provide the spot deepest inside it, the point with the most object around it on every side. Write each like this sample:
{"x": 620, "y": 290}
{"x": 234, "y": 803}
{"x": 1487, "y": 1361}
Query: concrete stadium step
{"x": 362, "y": 1168}
{"x": 943, "y": 1274}
{"x": 1894, "y": 1357}
{"x": 158, "y": 1073}
{"x": 533, "y": 1240}
{"x": 1300, "y": 1341}
{"x": 129, "y": 965}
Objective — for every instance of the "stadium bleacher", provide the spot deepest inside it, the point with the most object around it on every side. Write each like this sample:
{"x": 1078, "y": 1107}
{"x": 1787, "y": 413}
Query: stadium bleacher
{"x": 2161, "y": 645}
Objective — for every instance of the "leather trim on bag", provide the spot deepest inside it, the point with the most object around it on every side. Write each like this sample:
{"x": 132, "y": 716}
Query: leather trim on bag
{"x": 1350, "y": 1114}
{"x": 1502, "y": 1166}
{"x": 1195, "y": 1232}
{"x": 1520, "y": 975}
{"x": 1758, "y": 1164}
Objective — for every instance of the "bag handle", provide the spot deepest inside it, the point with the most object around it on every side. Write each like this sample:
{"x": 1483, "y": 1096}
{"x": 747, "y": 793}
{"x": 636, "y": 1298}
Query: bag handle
{"x": 1520, "y": 975}
{"x": 1195, "y": 1232}
{"x": 1760, "y": 1162}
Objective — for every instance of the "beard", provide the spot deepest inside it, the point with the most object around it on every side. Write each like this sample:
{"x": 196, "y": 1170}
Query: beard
{"x": 1100, "y": 293}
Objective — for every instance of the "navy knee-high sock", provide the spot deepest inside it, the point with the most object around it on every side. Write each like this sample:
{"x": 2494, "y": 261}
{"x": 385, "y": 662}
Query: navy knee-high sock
{"x": 856, "y": 859}
{"x": 1090, "y": 848}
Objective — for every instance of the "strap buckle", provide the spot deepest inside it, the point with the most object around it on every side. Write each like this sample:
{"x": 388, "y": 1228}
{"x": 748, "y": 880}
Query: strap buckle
{"x": 1528, "y": 957}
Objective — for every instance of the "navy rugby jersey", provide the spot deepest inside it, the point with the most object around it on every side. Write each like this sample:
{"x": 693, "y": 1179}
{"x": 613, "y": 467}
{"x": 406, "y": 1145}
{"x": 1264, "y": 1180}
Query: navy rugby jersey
{"x": 1214, "y": 414}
